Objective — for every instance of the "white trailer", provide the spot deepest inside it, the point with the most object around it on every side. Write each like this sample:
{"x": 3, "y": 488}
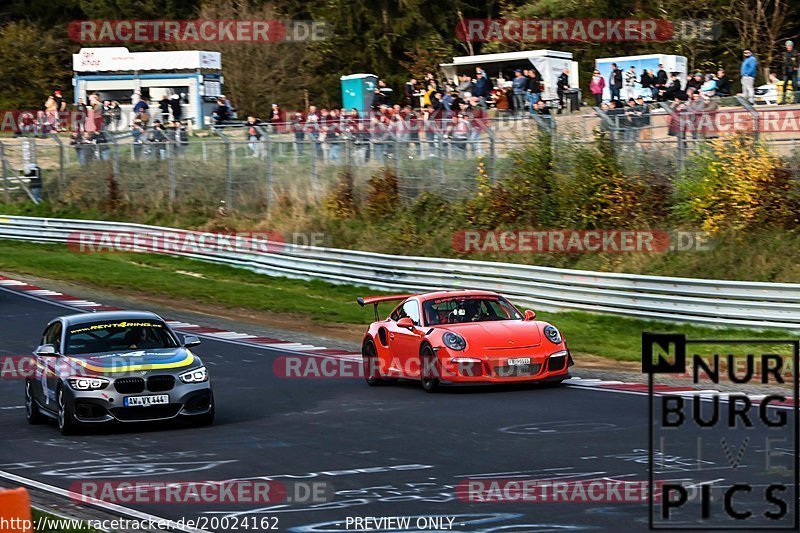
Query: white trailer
{"x": 549, "y": 63}
{"x": 641, "y": 62}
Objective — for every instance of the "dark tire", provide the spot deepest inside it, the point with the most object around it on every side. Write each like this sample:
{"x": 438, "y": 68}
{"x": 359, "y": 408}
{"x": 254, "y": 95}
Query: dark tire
{"x": 66, "y": 419}
{"x": 429, "y": 370}
{"x": 32, "y": 412}
{"x": 206, "y": 419}
{"x": 370, "y": 366}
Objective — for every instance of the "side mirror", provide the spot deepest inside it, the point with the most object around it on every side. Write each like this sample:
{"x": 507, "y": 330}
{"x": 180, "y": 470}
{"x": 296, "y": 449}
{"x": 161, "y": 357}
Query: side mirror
{"x": 405, "y": 323}
{"x": 529, "y": 314}
{"x": 46, "y": 350}
{"x": 190, "y": 341}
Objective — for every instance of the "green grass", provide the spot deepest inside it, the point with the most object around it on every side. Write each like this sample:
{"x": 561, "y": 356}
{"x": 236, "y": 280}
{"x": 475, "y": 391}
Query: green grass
{"x": 167, "y": 277}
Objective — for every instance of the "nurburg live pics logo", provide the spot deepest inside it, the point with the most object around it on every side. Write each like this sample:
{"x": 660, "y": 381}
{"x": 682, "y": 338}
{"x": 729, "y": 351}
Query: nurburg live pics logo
{"x": 723, "y": 460}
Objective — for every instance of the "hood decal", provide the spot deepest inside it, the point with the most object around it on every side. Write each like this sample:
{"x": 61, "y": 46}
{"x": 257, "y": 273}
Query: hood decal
{"x": 144, "y": 361}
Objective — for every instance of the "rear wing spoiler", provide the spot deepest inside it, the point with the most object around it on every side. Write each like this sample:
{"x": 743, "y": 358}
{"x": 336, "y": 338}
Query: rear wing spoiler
{"x": 375, "y": 300}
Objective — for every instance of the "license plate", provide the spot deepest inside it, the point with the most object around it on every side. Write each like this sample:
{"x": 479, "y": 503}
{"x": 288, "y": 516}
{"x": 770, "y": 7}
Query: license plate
{"x": 145, "y": 401}
{"x": 519, "y": 361}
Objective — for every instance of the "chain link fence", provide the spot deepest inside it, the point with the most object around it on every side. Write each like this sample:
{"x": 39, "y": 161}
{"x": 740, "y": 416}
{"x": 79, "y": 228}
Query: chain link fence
{"x": 225, "y": 168}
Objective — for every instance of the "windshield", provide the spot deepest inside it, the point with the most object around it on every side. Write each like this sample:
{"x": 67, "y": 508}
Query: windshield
{"x": 118, "y": 335}
{"x": 460, "y": 309}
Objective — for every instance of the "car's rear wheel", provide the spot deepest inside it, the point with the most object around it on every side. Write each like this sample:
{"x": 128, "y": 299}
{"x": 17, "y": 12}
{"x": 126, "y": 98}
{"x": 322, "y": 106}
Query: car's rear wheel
{"x": 32, "y": 412}
{"x": 370, "y": 364}
{"x": 429, "y": 370}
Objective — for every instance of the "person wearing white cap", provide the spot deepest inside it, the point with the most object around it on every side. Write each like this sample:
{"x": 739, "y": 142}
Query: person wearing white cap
{"x": 790, "y": 61}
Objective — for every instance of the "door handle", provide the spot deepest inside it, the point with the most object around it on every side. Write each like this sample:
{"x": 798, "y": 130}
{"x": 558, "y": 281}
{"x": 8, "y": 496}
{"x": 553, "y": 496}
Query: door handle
{"x": 391, "y": 336}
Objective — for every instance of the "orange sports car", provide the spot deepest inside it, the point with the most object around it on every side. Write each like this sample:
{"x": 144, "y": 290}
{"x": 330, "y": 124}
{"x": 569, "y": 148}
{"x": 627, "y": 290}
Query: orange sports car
{"x": 461, "y": 337}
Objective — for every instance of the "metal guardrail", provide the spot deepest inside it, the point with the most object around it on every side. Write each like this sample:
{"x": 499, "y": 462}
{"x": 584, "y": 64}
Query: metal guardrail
{"x": 751, "y": 304}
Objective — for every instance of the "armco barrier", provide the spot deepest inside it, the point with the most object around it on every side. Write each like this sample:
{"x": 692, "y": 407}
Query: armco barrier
{"x": 739, "y": 303}
{"x": 15, "y": 511}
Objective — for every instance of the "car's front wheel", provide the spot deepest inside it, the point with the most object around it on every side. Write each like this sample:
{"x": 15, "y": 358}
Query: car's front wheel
{"x": 429, "y": 370}
{"x": 32, "y": 412}
{"x": 67, "y": 424}
{"x": 205, "y": 419}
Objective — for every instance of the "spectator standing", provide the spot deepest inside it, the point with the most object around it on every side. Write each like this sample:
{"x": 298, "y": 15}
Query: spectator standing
{"x": 646, "y": 81}
{"x": 562, "y": 85}
{"x": 116, "y": 115}
{"x": 630, "y": 83}
{"x": 276, "y": 118}
{"x": 790, "y": 63}
{"x": 61, "y": 107}
{"x": 142, "y": 111}
{"x": 253, "y": 136}
{"x": 748, "y": 73}
{"x": 107, "y": 115}
{"x": 138, "y": 135}
{"x": 534, "y": 88}
{"x": 519, "y": 87}
{"x": 410, "y": 91}
{"x": 164, "y": 106}
{"x": 175, "y": 107}
{"x": 615, "y": 81}
{"x": 298, "y": 127}
{"x": 481, "y": 88}
{"x": 660, "y": 83}
{"x": 596, "y": 87}
{"x": 51, "y": 111}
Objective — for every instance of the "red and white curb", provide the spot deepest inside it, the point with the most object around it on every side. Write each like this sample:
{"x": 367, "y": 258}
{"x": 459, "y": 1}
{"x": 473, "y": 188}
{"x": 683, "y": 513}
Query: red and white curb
{"x": 322, "y": 351}
{"x": 183, "y": 327}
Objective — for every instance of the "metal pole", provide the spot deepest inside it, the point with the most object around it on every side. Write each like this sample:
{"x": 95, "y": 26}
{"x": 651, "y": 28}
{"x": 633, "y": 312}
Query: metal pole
{"x": 3, "y": 169}
{"x": 441, "y": 161}
{"x": 171, "y": 171}
{"x": 314, "y": 184}
{"x": 270, "y": 195}
{"x": 228, "y": 176}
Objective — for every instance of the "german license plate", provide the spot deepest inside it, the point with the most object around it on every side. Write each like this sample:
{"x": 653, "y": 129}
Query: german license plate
{"x": 145, "y": 401}
{"x": 519, "y": 361}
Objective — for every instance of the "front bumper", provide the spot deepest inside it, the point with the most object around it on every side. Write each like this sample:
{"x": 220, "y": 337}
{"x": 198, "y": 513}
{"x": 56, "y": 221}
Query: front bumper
{"x": 495, "y": 369}
{"x": 107, "y": 405}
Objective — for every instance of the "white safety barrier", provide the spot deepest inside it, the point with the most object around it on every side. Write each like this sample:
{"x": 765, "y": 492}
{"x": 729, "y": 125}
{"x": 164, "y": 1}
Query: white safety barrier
{"x": 731, "y": 303}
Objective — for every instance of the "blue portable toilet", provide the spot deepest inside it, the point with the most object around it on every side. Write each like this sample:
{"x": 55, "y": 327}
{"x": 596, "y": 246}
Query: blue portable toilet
{"x": 358, "y": 90}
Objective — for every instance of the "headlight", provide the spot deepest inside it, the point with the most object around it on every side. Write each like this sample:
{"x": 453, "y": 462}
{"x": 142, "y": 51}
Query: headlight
{"x": 552, "y": 334}
{"x": 198, "y": 375}
{"x": 454, "y": 341}
{"x": 88, "y": 383}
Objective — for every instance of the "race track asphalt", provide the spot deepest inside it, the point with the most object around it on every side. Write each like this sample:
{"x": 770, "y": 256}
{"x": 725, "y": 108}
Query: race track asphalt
{"x": 385, "y": 451}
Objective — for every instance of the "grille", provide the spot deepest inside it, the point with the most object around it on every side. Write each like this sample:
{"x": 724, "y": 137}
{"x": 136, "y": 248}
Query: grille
{"x": 517, "y": 370}
{"x": 154, "y": 412}
{"x": 160, "y": 383}
{"x": 556, "y": 364}
{"x": 470, "y": 369}
{"x": 129, "y": 385}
